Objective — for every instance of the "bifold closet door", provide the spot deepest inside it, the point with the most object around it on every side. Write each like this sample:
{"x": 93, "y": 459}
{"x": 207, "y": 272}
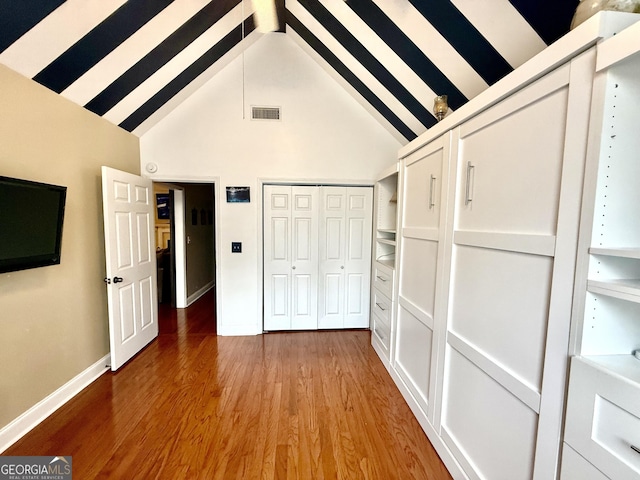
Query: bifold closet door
{"x": 345, "y": 257}
{"x": 290, "y": 257}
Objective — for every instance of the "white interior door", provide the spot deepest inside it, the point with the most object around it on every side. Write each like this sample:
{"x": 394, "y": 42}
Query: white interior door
{"x": 290, "y": 258}
{"x": 358, "y": 224}
{"x": 345, "y": 257}
{"x": 332, "y": 257}
{"x": 130, "y": 263}
{"x": 304, "y": 257}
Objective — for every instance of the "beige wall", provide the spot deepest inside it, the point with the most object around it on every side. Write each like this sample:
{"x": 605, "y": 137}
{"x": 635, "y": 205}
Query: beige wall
{"x": 53, "y": 320}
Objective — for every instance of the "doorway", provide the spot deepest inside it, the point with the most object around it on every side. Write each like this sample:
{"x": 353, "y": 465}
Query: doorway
{"x": 186, "y": 254}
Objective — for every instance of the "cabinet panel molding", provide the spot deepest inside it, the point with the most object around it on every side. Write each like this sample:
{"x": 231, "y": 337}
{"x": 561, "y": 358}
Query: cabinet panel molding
{"x": 494, "y": 430}
{"x": 511, "y": 242}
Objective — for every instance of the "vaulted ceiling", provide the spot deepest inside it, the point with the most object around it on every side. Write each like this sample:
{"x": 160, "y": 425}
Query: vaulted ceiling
{"x": 124, "y": 60}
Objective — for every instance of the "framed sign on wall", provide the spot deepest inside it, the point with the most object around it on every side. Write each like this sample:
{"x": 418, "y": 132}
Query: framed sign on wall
{"x": 238, "y": 195}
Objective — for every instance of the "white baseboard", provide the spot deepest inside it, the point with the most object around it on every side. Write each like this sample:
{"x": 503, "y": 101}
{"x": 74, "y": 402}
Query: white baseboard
{"x": 19, "y": 427}
{"x": 196, "y": 295}
{"x": 237, "y": 330}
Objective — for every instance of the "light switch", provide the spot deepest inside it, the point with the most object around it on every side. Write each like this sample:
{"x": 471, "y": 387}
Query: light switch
{"x": 236, "y": 247}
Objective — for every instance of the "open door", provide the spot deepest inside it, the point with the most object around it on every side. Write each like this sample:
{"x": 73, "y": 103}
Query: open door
{"x": 128, "y": 204}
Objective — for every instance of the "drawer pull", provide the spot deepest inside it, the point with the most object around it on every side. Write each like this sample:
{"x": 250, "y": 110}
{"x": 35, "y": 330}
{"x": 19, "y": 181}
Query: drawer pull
{"x": 380, "y": 307}
{"x": 635, "y": 449}
{"x": 382, "y": 279}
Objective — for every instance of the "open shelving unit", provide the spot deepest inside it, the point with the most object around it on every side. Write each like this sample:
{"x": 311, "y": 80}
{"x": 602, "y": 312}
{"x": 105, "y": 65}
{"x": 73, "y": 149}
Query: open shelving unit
{"x": 386, "y": 217}
{"x": 603, "y": 413}
{"x": 611, "y": 324}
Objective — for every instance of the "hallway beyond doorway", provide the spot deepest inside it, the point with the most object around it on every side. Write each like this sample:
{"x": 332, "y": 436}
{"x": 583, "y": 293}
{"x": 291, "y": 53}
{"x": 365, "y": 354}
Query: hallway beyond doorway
{"x": 197, "y": 319}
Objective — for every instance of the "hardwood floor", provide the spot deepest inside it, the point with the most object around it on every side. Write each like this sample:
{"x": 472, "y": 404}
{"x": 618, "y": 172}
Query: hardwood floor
{"x": 313, "y": 405}
{"x": 198, "y": 319}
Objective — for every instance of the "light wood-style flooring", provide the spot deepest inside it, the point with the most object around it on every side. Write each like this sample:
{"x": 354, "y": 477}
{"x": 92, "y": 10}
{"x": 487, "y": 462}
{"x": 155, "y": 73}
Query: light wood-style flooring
{"x": 313, "y": 405}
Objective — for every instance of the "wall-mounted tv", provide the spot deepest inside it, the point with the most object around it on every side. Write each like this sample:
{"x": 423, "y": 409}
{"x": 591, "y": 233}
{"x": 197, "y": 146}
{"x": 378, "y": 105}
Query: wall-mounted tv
{"x": 31, "y": 217}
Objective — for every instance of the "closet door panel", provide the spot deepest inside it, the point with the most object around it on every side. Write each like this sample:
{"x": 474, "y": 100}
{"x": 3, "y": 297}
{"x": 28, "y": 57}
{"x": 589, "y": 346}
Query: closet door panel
{"x": 345, "y": 257}
{"x": 354, "y": 301}
{"x": 332, "y": 257}
{"x": 304, "y": 258}
{"x": 277, "y": 257}
{"x": 333, "y": 293}
{"x": 356, "y": 239}
{"x": 290, "y": 257}
{"x": 280, "y": 298}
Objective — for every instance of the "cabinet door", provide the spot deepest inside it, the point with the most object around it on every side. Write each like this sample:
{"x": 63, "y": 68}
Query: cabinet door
{"x": 345, "y": 257}
{"x": 290, "y": 257}
{"x": 416, "y": 349}
{"x": 422, "y": 187}
{"x": 510, "y": 161}
{"x": 519, "y": 177}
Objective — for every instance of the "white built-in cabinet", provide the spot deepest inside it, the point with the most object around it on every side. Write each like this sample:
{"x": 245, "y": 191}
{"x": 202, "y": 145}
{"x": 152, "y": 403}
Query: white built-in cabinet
{"x": 519, "y": 175}
{"x": 492, "y": 269}
{"x": 317, "y": 257}
{"x": 383, "y": 300}
{"x": 424, "y": 176}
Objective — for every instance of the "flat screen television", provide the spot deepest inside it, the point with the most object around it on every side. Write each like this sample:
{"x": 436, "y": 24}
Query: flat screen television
{"x": 31, "y": 217}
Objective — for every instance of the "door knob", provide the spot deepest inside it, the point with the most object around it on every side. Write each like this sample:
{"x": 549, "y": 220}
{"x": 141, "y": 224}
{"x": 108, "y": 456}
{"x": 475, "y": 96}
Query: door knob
{"x": 117, "y": 279}
{"x": 293, "y": 268}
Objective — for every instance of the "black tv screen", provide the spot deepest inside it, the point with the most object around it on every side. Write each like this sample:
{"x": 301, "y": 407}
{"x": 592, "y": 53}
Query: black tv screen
{"x": 31, "y": 217}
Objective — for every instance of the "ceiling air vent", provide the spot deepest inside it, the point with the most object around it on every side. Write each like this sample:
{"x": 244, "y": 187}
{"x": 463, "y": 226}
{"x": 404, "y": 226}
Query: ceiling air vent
{"x": 265, "y": 113}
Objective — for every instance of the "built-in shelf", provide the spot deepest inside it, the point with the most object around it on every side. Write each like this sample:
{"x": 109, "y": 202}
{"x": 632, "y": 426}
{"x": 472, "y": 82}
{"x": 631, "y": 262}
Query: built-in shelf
{"x": 387, "y": 262}
{"x": 623, "y": 289}
{"x": 386, "y": 217}
{"x": 387, "y": 241}
{"x": 616, "y": 252}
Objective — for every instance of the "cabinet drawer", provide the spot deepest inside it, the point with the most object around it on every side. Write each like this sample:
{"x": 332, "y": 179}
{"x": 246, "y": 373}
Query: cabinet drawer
{"x": 574, "y": 467}
{"x": 382, "y": 306}
{"x": 603, "y": 415}
{"x": 381, "y": 330}
{"x": 383, "y": 279}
